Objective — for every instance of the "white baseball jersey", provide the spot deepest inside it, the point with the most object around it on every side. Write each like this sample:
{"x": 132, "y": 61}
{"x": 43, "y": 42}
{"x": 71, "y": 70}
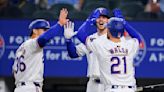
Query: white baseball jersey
{"x": 115, "y": 59}
{"x": 93, "y": 67}
{"x": 28, "y": 65}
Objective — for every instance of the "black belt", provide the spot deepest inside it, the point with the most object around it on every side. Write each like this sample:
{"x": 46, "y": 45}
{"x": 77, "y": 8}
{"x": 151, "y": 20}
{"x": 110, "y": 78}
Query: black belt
{"x": 122, "y": 86}
{"x": 35, "y": 83}
{"x": 97, "y": 80}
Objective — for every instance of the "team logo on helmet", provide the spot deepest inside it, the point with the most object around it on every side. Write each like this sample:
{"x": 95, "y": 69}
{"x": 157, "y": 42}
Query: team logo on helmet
{"x": 101, "y": 10}
{"x": 141, "y": 53}
{"x": 2, "y": 46}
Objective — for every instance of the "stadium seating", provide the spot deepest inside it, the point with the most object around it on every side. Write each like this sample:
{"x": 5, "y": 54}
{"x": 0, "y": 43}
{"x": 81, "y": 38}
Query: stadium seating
{"x": 131, "y": 9}
{"x": 44, "y": 14}
{"x": 57, "y": 7}
{"x": 113, "y": 4}
{"x": 88, "y": 7}
{"x": 28, "y": 9}
{"x": 146, "y": 16}
{"x": 77, "y": 15}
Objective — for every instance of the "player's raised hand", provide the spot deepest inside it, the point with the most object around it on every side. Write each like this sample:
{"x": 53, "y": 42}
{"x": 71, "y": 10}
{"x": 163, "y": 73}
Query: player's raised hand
{"x": 63, "y": 16}
{"x": 93, "y": 16}
{"x": 69, "y": 30}
{"x": 116, "y": 23}
{"x": 118, "y": 13}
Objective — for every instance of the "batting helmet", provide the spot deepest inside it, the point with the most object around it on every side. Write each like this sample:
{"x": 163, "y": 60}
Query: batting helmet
{"x": 102, "y": 12}
{"x": 39, "y": 23}
{"x": 116, "y": 26}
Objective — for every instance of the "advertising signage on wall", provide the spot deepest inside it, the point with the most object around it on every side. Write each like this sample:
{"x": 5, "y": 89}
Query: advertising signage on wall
{"x": 149, "y": 62}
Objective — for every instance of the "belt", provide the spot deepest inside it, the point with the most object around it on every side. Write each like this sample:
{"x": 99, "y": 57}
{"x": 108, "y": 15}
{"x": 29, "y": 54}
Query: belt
{"x": 26, "y": 83}
{"x": 97, "y": 80}
{"x": 121, "y": 86}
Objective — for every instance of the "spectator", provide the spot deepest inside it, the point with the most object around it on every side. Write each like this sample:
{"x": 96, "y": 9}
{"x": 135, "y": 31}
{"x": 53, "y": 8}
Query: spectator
{"x": 153, "y": 8}
{"x": 77, "y": 4}
{"x": 15, "y": 2}
{"x": 161, "y": 5}
{"x": 41, "y": 3}
{"x": 7, "y": 10}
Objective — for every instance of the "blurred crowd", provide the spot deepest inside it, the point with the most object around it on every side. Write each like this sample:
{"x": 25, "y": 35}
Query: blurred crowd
{"x": 80, "y": 9}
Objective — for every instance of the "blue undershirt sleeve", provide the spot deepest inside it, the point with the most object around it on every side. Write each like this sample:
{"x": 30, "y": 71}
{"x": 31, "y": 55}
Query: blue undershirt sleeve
{"x": 49, "y": 34}
{"x": 132, "y": 32}
{"x": 86, "y": 29}
{"x": 71, "y": 48}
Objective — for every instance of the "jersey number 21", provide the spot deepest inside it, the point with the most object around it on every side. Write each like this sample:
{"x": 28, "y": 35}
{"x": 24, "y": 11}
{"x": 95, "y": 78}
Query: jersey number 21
{"x": 118, "y": 61}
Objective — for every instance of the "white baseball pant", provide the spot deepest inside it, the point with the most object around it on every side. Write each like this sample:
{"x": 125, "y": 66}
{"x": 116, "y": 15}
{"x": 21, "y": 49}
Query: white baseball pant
{"x": 28, "y": 87}
{"x": 93, "y": 86}
{"x": 119, "y": 89}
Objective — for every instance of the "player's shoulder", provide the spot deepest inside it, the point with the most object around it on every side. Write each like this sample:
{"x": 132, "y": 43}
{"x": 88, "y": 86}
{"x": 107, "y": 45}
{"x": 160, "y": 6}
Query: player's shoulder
{"x": 95, "y": 35}
{"x": 29, "y": 41}
{"x": 22, "y": 46}
{"x": 99, "y": 40}
{"x": 130, "y": 40}
{"x": 102, "y": 37}
{"x": 92, "y": 37}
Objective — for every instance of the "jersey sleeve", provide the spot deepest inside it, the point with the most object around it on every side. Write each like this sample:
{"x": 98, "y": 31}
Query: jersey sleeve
{"x": 81, "y": 49}
{"x": 33, "y": 45}
{"x": 94, "y": 64}
{"x": 91, "y": 44}
{"x": 135, "y": 46}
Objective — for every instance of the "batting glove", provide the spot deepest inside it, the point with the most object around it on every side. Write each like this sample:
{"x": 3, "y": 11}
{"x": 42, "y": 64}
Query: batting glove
{"x": 114, "y": 19}
{"x": 69, "y": 30}
{"x": 118, "y": 13}
{"x": 92, "y": 17}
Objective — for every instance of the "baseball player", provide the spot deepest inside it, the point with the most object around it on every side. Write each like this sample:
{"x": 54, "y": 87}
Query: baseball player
{"x": 28, "y": 66}
{"x": 115, "y": 54}
{"x": 93, "y": 73}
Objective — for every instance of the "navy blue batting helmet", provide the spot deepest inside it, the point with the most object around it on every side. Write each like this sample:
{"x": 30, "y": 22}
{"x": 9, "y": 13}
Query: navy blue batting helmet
{"x": 39, "y": 23}
{"x": 116, "y": 26}
{"x": 102, "y": 12}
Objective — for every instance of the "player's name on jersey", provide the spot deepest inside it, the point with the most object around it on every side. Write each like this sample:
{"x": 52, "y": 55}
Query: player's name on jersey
{"x": 57, "y": 40}
{"x": 118, "y": 51}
